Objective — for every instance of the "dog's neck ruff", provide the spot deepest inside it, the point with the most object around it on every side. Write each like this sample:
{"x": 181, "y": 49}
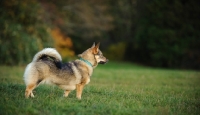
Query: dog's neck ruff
{"x": 86, "y": 61}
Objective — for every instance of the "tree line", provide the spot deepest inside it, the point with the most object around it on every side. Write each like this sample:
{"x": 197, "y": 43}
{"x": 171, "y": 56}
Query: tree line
{"x": 163, "y": 33}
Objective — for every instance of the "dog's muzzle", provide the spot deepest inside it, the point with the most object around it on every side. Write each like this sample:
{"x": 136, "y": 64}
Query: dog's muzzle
{"x": 103, "y": 62}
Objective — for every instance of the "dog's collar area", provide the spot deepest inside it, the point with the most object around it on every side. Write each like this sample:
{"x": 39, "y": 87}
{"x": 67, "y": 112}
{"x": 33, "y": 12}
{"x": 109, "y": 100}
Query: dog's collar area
{"x": 86, "y": 61}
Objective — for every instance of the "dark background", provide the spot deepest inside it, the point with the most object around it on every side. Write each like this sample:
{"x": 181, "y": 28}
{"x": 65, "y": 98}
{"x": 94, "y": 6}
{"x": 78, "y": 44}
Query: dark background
{"x": 160, "y": 33}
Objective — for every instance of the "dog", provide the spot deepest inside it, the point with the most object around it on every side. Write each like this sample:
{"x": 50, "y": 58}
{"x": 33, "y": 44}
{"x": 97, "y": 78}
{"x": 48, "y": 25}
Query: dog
{"x": 47, "y": 67}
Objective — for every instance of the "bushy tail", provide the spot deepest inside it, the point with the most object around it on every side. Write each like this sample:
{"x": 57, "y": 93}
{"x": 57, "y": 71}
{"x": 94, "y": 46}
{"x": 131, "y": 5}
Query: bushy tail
{"x": 48, "y": 53}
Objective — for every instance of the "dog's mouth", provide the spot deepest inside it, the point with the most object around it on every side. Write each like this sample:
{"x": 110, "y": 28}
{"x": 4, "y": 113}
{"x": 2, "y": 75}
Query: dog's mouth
{"x": 103, "y": 62}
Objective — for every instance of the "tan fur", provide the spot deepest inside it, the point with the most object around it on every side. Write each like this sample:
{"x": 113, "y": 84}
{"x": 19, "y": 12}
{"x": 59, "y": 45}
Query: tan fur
{"x": 72, "y": 75}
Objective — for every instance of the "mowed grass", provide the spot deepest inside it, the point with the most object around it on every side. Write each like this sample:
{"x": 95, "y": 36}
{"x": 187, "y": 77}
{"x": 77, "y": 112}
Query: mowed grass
{"x": 115, "y": 88}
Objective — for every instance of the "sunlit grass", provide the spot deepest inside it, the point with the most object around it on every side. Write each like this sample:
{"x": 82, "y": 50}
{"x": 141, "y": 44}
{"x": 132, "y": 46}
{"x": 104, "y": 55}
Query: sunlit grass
{"x": 115, "y": 88}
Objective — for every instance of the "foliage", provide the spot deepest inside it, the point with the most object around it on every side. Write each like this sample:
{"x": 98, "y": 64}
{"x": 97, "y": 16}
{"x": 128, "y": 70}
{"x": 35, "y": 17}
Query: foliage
{"x": 116, "y": 51}
{"x": 153, "y": 32}
{"x": 63, "y": 44}
{"x": 115, "y": 88}
{"x": 124, "y": 13}
{"x": 83, "y": 21}
{"x": 167, "y": 33}
{"x": 22, "y": 31}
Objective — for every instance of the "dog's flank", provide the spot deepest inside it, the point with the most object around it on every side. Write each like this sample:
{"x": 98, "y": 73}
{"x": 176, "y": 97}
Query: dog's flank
{"x": 47, "y": 67}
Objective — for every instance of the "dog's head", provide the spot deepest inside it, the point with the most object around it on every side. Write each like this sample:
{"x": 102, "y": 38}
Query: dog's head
{"x": 94, "y": 55}
{"x": 98, "y": 54}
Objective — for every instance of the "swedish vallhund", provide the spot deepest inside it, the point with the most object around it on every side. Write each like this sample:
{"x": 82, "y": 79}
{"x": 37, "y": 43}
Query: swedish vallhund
{"x": 47, "y": 67}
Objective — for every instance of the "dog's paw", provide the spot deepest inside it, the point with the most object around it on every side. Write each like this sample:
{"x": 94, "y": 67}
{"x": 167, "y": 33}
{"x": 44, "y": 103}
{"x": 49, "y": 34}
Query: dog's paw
{"x": 32, "y": 95}
{"x": 79, "y": 98}
{"x": 66, "y": 93}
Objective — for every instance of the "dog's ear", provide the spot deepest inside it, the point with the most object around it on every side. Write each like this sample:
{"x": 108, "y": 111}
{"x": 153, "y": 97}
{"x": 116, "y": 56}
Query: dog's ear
{"x": 93, "y": 45}
{"x": 96, "y": 48}
{"x": 98, "y": 45}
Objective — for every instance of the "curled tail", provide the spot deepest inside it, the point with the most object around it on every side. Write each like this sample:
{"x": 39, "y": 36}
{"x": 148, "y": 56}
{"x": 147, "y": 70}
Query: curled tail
{"x": 49, "y": 54}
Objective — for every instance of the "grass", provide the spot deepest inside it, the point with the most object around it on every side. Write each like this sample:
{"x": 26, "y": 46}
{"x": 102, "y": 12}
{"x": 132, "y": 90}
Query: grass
{"x": 115, "y": 88}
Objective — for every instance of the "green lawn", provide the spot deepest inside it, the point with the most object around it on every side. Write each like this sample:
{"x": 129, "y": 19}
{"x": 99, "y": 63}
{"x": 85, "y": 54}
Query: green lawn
{"x": 115, "y": 88}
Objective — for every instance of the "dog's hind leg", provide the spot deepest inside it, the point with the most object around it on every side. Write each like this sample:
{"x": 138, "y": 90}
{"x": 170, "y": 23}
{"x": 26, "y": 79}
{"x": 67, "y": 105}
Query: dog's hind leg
{"x": 29, "y": 89}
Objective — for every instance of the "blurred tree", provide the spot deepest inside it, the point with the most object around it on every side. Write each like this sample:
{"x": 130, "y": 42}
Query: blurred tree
{"x": 22, "y": 31}
{"x": 167, "y": 33}
{"x": 63, "y": 44}
{"x": 83, "y": 21}
{"x": 155, "y": 32}
{"x": 123, "y": 13}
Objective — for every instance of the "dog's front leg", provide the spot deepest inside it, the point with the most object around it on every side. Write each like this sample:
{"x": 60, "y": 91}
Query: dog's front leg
{"x": 79, "y": 90}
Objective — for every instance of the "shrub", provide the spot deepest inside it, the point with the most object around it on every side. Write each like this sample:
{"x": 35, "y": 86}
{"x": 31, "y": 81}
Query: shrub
{"x": 22, "y": 31}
